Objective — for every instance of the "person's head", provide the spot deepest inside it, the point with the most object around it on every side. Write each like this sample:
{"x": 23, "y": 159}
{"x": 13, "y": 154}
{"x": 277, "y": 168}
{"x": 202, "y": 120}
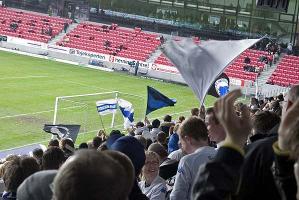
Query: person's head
{"x": 167, "y": 118}
{"x": 194, "y": 112}
{"x": 193, "y": 134}
{"x": 158, "y": 149}
{"x": 162, "y": 137}
{"x": 53, "y": 143}
{"x": 96, "y": 142}
{"x": 38, "y": 154}
{"x": 264, "y": 121}
{"x": 37, "y": 186}
{"x": 139, "y": 124}
{"x": 280, "y": 97}
{"x": 67, "y": 146}
{"x": 181, "y": 119}
{"x": 150, "y": 169}
{"x": 176, "y": 127}
{"x": 132, "y": 148}
{"x": 156, "y": 123}
{"x": 112, "y": 138}
{"x": 53, "y": 158}
{"x": 94, "y": 175}
{"x": 215, "y": 129}
{"x": 254, "y": 101}
{"x": 17, "y": 171}
{"x": 83, "y": 145}
{"x": 2, "y": 168}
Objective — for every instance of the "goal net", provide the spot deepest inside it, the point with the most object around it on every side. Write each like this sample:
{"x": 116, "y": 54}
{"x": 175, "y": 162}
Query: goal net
{"x": 82, "y": 110}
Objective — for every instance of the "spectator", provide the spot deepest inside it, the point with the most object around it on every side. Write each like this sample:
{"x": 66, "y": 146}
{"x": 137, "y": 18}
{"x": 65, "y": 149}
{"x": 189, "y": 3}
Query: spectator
{"x": 257, "y": 177}
{"x": 216, "y": 130}
{"x": 2, "y": 170}
{"x": 165, "y": 126}
{"x": 142, "y": 130}
{"x": 53, "y": 158}
{"x": 254, "y": 103}
{"x": 155, "y": 129}
{"x": 181, "y": 119}
{"x": 67, "y": 146}
{"x": 162, "y": 139}
{"x": 247, "y": 60}
{"x": 152, "y": 185}
{"x": 86, "y": 177}
{"x": 96, "y": 142}
{"x": 195, "y": 112}
{"x": 15, "y": 173}
{"x": 53, "y": 143}
{"x": 219, "y": 179}
{"x": 168, "y": 167}
{"x": 38, "y": 155}
{"x": 193, "y": 136}
{"x": 83, "y": 145}
{"x": 275, "y": 107}
{"x": 131, "y": 147}
{"x": 37, "y": 186}
{"x": 173, "y": 143}
{"x": 263, "y": 122}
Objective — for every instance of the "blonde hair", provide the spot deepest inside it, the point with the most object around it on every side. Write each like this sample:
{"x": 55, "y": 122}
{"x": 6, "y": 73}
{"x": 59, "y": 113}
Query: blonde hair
{"x": 150, "y": 155}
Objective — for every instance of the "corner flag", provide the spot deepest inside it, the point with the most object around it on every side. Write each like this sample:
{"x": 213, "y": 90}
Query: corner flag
{"x": 157, "y": 100}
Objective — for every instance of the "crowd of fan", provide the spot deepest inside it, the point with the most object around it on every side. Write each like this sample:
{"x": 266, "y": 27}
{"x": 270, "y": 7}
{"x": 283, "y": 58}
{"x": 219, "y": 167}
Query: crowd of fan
{"x": 229, "y": 151}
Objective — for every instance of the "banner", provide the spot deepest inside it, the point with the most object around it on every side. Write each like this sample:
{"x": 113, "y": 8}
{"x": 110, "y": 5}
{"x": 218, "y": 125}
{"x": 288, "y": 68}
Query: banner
{"x": 63, "y": 130}
{"x": 108, "y": 106}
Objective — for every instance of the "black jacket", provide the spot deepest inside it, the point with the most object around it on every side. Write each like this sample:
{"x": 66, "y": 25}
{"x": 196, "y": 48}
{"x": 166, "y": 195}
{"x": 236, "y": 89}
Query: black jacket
{"x": 266, "y": 175}
{"x": 218, "y": 179}
{"x": 262, "y": 174}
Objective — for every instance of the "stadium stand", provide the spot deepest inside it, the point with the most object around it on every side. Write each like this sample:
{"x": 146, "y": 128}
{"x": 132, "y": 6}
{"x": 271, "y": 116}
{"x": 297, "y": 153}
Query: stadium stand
{"x": 30, "y": 26}
{"x": 162, "y": 60}
{"x": 236, "y": 69}
{"x": 287, "y": 72}
{"x": 112, "y": 40}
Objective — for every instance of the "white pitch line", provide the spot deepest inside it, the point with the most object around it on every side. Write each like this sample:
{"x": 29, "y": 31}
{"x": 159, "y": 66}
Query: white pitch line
{"x": 44, "y": 111}
{"x": 22, "y": 77}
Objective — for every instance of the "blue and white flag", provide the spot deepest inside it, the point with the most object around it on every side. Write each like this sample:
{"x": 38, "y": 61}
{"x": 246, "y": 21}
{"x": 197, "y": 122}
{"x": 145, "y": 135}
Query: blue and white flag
{"x": 108, "y": 106}
{"x": 127, "y": 110}
{"x": 220, "y": 87}
{"x": 200, "y": 64}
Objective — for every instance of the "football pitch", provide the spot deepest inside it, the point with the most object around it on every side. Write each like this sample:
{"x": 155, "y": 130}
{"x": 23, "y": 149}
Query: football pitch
{"x": 30, "y": 85}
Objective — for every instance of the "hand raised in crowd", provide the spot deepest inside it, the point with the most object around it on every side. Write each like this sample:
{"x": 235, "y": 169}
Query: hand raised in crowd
{"x": 237, "y": 128}
{"x": 287, "y": 123}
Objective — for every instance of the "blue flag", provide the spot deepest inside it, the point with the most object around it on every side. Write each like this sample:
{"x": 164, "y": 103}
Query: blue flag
{"x": 157, "y": 100}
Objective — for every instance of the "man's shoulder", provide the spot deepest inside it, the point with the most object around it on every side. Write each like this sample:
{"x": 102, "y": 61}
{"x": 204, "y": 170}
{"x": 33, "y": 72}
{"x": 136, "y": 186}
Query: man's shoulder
{"x": 207, "y": 151}
{"x": 265, "y": 143}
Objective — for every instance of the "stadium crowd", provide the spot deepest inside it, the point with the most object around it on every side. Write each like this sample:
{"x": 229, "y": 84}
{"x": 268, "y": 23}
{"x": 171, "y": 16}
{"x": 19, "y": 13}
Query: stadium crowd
{"x": 229, "y": 151}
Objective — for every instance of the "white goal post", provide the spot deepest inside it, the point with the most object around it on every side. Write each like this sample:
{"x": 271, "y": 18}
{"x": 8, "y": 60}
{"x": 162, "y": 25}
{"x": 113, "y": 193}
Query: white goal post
{"x": 81, "y": 109}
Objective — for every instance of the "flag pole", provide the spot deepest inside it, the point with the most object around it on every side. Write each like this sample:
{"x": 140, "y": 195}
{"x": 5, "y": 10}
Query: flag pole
{"x": 113, "y": 115}
{"x": 102, "y": 123}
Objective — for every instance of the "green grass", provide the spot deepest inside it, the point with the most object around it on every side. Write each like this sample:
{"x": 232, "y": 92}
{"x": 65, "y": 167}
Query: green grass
{"x": 30, "y": 85}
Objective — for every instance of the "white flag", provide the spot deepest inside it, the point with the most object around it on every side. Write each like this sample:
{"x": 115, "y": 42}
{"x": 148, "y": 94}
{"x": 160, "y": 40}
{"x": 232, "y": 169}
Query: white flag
{"x": 108, "y": 106}
{"x": 201, "y": 64}
{"x": 127, "y": 110}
